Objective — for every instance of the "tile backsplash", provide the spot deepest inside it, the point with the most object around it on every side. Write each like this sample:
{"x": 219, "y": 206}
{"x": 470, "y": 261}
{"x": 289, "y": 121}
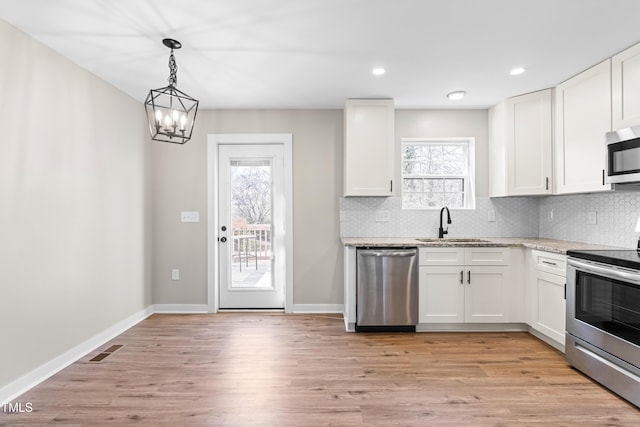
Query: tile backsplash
{"x": 599, "y": 218}
{"x": 572, "y": 218}
{"x": 384, "y": 217}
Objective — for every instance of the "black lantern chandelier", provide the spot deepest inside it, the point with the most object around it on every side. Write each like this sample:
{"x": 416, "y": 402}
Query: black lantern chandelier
{"x": 170, "y": 112}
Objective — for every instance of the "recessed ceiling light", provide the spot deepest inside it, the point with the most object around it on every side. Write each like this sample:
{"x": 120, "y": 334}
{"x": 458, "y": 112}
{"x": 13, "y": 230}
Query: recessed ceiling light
{"x": 378, "y": 71}
{"x": 516, "y": 71}
{"x": 456, "y": 95}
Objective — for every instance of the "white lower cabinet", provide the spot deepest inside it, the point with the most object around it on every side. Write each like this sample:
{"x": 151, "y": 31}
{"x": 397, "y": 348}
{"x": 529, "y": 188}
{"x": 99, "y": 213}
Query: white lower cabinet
{"x": 464, "y": 285}
{"x": 546, "y": 305}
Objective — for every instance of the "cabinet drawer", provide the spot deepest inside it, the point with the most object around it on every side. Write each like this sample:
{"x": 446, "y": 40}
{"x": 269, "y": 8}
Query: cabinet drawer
{"x": 550, "y": 263}
{"x": 464, "y": 256}
{"x": 441, "y": 256}
{"x": 486, "y": 256}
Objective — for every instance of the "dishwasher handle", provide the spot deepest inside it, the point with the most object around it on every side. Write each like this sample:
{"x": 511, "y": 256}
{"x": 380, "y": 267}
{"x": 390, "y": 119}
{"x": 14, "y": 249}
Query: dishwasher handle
{"x": 399, "y": 253}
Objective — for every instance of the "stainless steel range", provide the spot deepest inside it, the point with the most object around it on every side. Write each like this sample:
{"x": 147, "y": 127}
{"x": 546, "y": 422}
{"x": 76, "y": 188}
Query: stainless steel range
{"x": 603, "y": 318}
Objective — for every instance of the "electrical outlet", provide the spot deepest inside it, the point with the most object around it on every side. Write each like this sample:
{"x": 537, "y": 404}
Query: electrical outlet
{"x": 592, "y": 218}
{"x": 491, "y": 215}
{"x": 550, "y": 216}
{"x": 175, "y": 274}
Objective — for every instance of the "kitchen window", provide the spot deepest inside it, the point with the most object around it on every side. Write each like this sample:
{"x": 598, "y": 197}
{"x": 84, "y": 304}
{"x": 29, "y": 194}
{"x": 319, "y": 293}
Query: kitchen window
{"x": 437, "y": 173}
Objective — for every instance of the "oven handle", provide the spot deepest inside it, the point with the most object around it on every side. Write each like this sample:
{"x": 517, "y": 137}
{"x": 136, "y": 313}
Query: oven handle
{"x": 609, "y": 272}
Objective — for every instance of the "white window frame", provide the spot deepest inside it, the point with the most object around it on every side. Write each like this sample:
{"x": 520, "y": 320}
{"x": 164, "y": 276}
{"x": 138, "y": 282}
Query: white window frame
{"x": 469, "y": 179}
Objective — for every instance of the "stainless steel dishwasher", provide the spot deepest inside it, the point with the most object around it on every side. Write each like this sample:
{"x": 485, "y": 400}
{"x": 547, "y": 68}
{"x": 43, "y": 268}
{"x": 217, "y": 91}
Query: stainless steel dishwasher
{"x": 387, "y": 289}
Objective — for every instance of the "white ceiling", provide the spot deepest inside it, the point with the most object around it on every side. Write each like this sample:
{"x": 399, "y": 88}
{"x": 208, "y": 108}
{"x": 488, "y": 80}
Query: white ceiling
{"x": 317, "y": 53}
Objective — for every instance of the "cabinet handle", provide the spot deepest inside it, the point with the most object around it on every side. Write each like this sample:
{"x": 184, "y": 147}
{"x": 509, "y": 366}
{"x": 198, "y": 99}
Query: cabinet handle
{"x": 391, "y": 186}
{"x": 602, "y": 176}
{"x": 469, "y": 277}
{"x": 461, "y": 277}
{"x": 547, "y": 183}
{"x": 549, "y": 263}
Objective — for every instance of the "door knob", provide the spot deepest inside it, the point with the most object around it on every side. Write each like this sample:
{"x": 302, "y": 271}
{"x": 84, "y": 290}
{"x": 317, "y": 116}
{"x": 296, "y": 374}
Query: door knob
{"x": 223, "y": 239}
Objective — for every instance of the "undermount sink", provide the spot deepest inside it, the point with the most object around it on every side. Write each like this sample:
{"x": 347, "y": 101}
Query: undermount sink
{"x": 460, "y": 240}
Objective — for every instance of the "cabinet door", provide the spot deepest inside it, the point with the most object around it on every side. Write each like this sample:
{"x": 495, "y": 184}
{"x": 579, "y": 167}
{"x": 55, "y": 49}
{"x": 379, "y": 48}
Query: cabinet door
{"x": 549, "y": 305}
{"x": 369, "y": 147}
{"x": 529, "y": 140}
{"x": 625, "y": 80}
{"x": 441, "y": 295}
{"x": 583, "y": 116}
{"x": 486, "y": 295}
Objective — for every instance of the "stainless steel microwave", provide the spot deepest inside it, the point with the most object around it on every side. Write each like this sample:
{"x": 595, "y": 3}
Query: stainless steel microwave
{"x": 623, "y": 156}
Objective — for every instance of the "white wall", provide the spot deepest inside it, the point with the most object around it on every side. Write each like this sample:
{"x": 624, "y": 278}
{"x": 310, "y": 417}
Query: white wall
{"x": 180, "y": 184}
{"x": 74, "y": 242}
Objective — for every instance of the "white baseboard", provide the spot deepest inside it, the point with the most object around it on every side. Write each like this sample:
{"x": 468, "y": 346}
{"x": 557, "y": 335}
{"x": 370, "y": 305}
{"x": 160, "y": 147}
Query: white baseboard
{"x": 180, "y": 308}
{"x": 35, "y": 377}
{"x": 317, "y": 308}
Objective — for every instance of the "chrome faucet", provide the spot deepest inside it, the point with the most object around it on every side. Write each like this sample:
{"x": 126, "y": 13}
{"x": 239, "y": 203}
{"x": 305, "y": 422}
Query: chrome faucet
{"x": 441, "y": 231}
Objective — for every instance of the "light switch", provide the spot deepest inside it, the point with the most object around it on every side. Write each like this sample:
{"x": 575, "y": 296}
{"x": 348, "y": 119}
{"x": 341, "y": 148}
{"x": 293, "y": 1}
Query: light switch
{"x": 190, "y": 216}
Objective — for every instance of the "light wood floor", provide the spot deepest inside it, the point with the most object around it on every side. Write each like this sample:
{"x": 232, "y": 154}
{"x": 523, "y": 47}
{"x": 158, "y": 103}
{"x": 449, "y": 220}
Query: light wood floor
{"x": 242, "y": 369}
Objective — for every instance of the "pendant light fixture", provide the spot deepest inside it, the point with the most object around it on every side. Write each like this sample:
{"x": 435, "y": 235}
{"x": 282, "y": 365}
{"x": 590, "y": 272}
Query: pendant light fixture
{"x": 170, "y": 112}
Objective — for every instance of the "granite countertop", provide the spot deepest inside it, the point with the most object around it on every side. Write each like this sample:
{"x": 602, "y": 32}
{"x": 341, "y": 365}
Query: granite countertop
{"x": 548, "y": 245}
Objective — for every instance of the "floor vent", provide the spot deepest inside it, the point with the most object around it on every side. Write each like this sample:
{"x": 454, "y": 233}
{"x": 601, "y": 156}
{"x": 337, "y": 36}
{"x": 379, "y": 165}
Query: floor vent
{"x": 113, "y": 348}
{"x": 100, "y": 357}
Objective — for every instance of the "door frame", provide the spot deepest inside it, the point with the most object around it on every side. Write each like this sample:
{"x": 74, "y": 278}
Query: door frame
{"x": 213, "y": 141}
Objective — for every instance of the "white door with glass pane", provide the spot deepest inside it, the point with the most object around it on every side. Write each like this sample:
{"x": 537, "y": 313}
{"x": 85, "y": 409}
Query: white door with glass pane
{"x": 251, "y": 213}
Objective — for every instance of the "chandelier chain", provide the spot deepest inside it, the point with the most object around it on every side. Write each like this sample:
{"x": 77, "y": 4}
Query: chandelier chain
{"x": 173, "y": 70}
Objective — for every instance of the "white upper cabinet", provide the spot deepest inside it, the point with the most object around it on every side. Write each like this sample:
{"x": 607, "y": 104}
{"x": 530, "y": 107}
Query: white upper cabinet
{"x": 529, "y": 143}
{"x": 369, "y": 149}
{"x": 521, "y": 145}
{"x": 625, "y": 79}
{"x": 583, "y": 116}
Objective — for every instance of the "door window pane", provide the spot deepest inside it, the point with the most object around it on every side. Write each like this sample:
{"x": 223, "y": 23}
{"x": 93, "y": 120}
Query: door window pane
{"x": 251, "y": 203}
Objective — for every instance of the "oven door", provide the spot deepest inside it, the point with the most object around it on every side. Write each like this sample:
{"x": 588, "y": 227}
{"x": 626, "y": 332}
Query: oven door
{"x": 603, "y": 308}
{"x": 623, "y": 156}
